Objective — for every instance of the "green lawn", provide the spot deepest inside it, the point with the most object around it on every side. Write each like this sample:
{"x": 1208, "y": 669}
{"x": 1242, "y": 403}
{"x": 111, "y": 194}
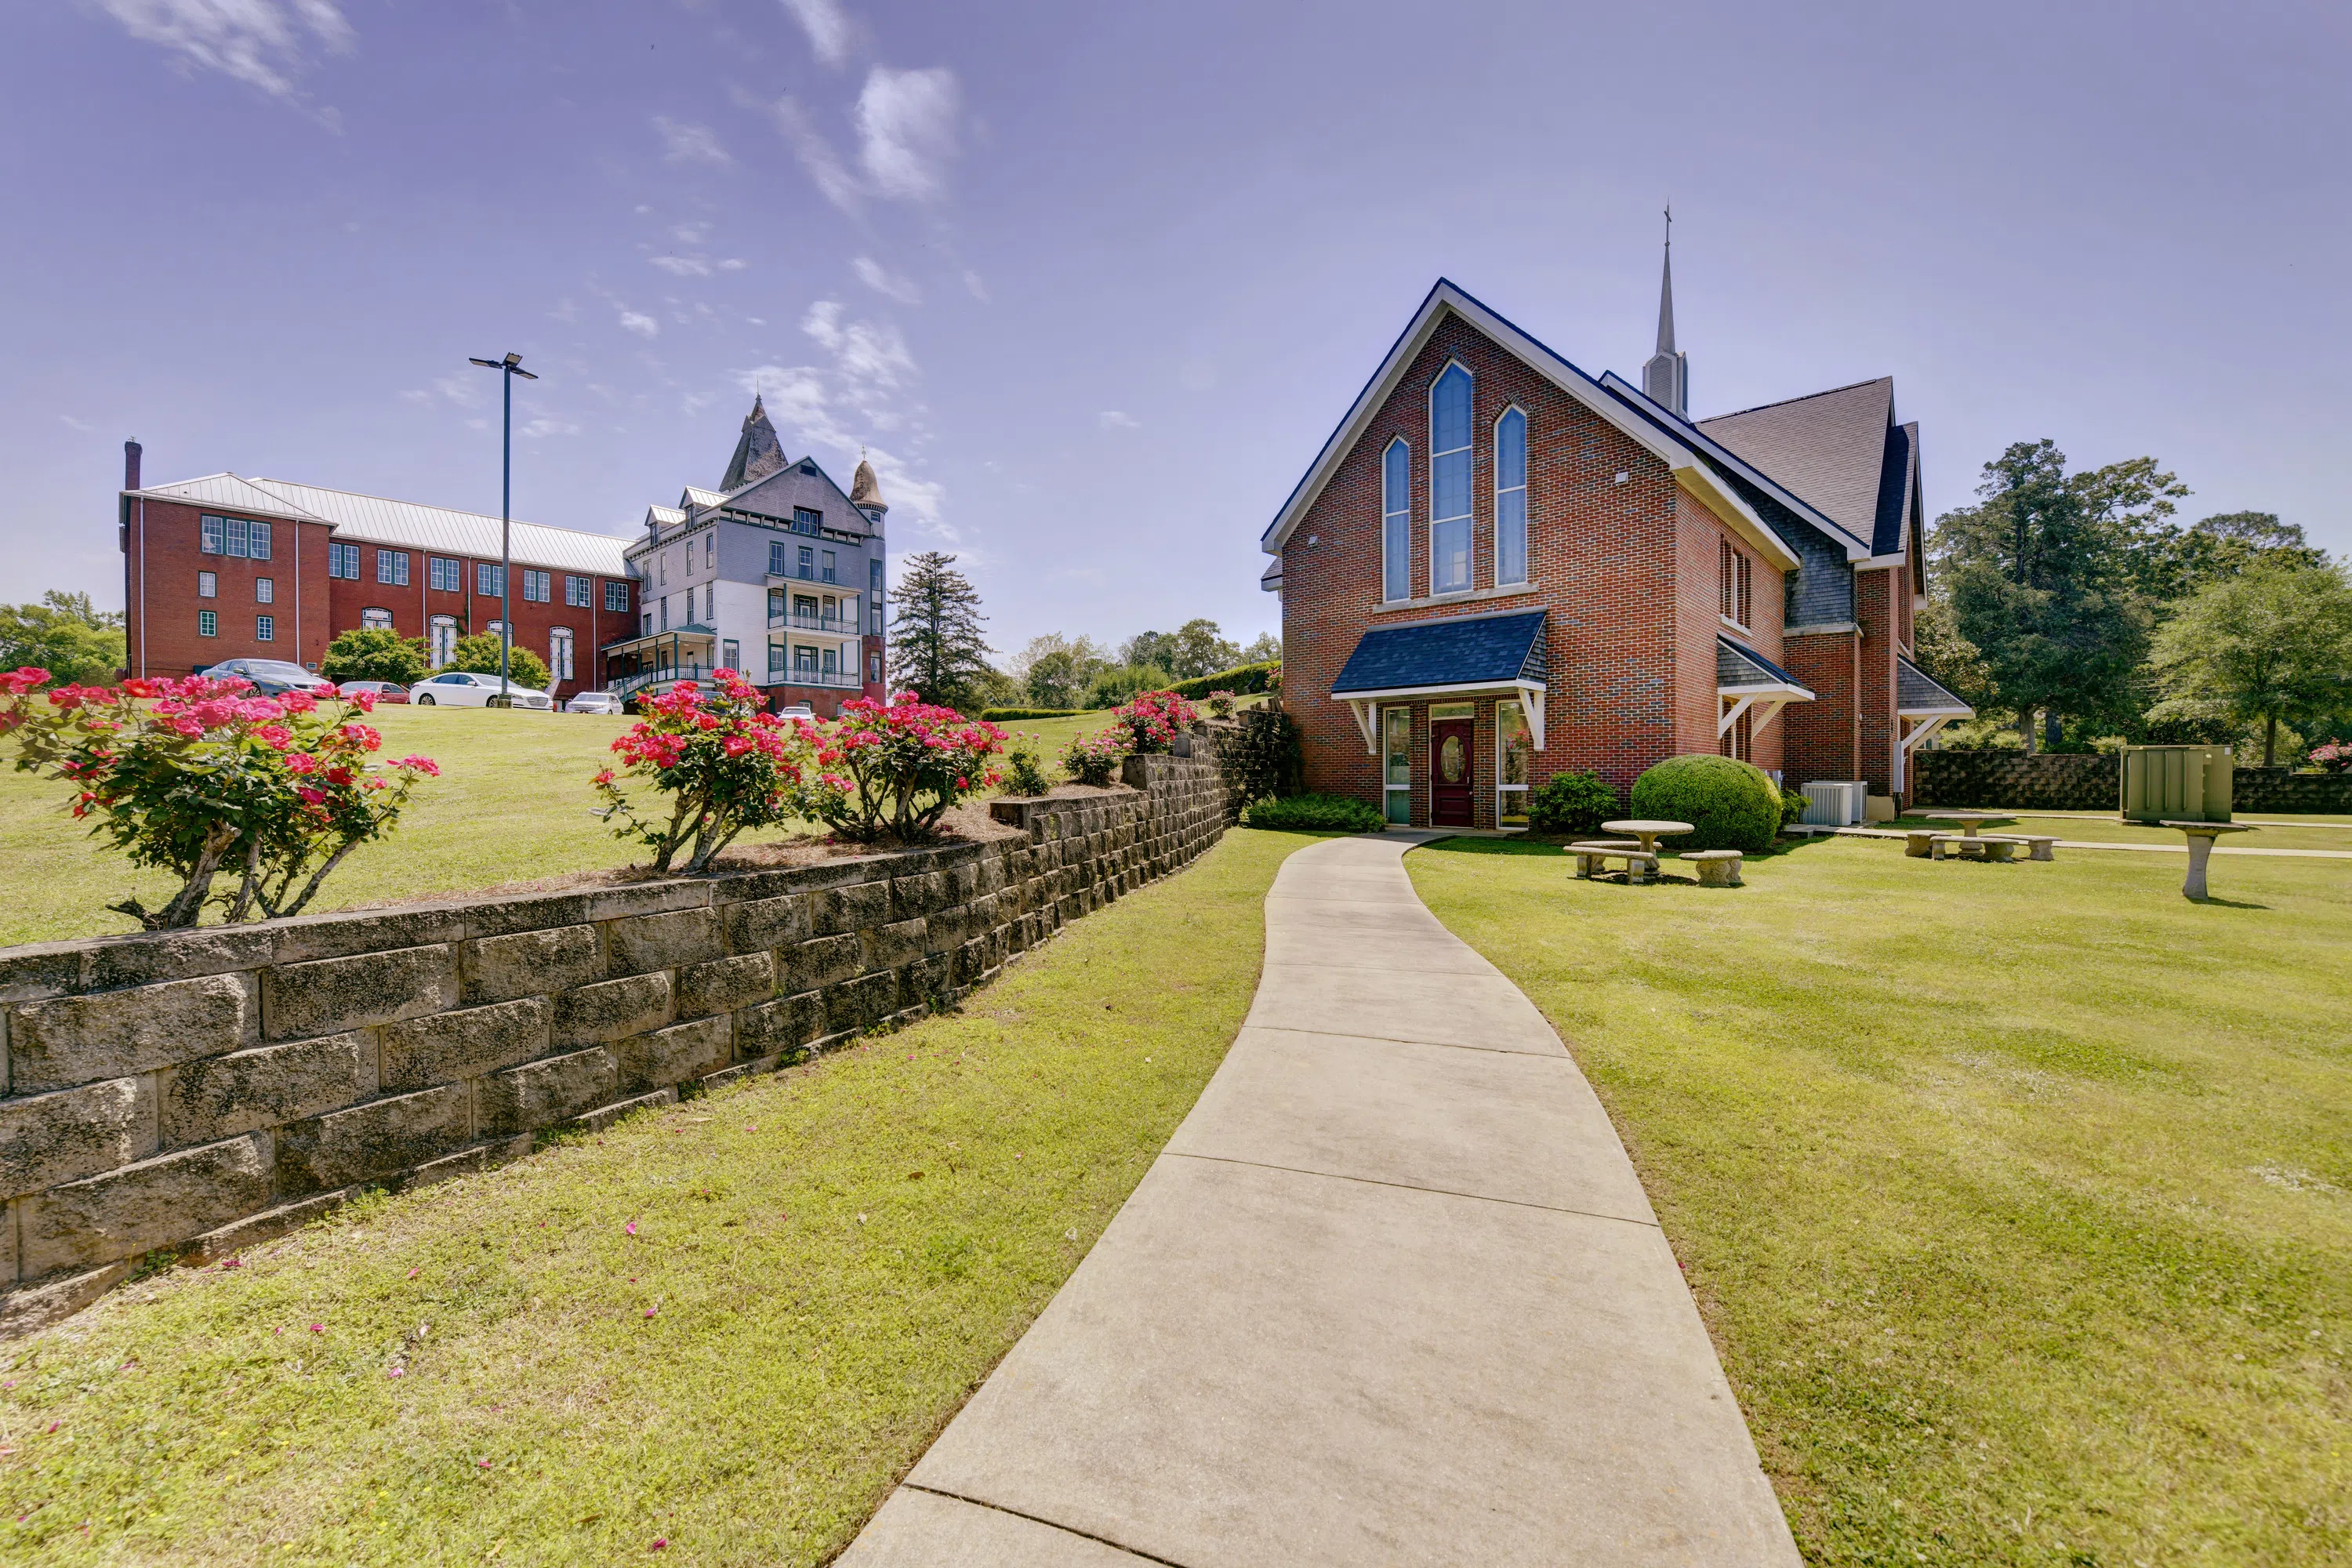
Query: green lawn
{"x": 512, "y": 805}
{"x": 2018, "y": 1198}
{"x": 825, "y": 1264}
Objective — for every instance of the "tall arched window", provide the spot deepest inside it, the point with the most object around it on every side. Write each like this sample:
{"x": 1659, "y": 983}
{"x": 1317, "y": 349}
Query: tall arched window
{"x": 442, "y": 639}
{"x": 1396, "y": 521}
{"x": 1511, "y": 498}
{"x": 559, "y": 652}
{"x": 377, "y": 619}
{"x": 1449, "y": 482}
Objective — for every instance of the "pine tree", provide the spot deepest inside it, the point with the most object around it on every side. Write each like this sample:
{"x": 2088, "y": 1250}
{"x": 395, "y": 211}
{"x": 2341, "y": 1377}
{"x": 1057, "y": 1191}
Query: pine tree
{"x": 937, "y": 649}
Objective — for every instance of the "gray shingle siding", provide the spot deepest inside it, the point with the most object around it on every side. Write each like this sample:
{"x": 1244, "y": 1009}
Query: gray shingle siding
{"x": 1820, "y": 590}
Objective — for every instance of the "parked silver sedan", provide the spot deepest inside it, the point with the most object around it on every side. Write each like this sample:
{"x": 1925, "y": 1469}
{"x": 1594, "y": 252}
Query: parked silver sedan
{"x": 593, "y": 703}
{"x": 470, "y": 689}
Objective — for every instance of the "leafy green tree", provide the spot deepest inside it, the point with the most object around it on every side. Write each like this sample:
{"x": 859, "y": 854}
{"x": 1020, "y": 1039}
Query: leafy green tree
{"x": 1267, "y": 649}
{"x": 937, "y": 649}
{"x": 1055, "y": 670}
{"x": 2268, "y": 645}
{"x": 2043, "y": 578}
{"x": 65, "y": 635}
{"x": 1153, "y": 649}
{"x": 1197, "y": 649}
{"x": 2179, "y": 561}
{"x": 479, "y": 653}
{"x": 1114, "y": 686}
{"x": 378, "y": 653}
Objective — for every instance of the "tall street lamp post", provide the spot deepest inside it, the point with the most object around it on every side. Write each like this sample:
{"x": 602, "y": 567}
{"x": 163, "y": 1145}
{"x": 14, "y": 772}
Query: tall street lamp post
{"x": 508, "y": 368}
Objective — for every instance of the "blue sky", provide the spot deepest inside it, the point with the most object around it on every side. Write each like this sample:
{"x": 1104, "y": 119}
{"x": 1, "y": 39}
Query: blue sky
{"x": 1094, "y": 281}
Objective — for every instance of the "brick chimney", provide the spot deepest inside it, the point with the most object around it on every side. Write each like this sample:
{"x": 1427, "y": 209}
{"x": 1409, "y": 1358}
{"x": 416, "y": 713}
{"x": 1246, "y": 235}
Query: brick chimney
{"x": 130, "y": 465}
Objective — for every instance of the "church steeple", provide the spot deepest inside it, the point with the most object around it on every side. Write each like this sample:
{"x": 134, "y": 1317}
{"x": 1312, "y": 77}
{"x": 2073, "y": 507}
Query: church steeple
{"x": 1665, "y": 379}
{"x": 758, "y": 453}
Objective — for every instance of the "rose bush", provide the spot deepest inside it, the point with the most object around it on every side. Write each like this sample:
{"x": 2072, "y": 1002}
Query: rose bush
{"x": 2333, "y": 756}
{"x": 195, "y": 776}
{"x": 891, "y": 770}
{"x": 725, "y": 763}
{"x": 1221, "y": 704}
{"x": 1153, "y": 719}
{"x": 1094, "y": 759}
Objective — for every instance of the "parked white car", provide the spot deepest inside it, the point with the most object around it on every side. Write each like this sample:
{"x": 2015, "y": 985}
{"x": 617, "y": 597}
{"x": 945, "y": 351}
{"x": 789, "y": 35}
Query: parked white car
{"x": 796, "y": 711}
{"x": 470, "y": 689}
{"x": 593, "y": 703}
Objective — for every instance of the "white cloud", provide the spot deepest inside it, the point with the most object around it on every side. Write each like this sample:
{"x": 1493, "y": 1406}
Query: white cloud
{"x": 971, "y": 281}
{"x": 419, "y": 396}
{"x": 546, "y": 427}
{"x": 870, "y": 355}
{"x": 906, "y": 127}
{"x": 827, "y": 29}
{"x": 690, "y": 233}
{"x": 883, "y": 281}
{"x": 644, "y": 326}
{"x": 70, "y": 422}
{"x": 1112, "y": 419}
{"x": 683, "y": 144}
{"x": 464, "y": 390}
{"x": 834, "y": 180}
{"x": 682, "y": 266}
{"x": 262, "y": 43}
{"x": 733, "y": 264}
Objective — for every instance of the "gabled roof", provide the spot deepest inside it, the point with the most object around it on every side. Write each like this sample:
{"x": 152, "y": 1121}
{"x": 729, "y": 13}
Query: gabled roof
{"x": 1738, "y": 666}
{"x": 695, "y": 495}
{"x": 228, "y": 492}
{"x": 1471, "y": 650}
{"x": 1840, "y": 449}
{"x": 409, "y": 524}
{"x": 1919, "y": 695}
{"x": 1680, "y": 428}
{"x": 1448, "y": 299}
{"x": 757, "y": 452}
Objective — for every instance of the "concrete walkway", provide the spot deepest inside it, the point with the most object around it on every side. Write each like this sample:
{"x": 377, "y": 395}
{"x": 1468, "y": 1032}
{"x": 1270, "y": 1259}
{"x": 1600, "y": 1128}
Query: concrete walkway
{"x": 1391, "y": 1295}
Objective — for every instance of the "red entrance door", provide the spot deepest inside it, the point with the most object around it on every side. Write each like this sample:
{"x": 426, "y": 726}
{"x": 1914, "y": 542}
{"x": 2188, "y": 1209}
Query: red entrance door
{"x": 1449, "y": 757}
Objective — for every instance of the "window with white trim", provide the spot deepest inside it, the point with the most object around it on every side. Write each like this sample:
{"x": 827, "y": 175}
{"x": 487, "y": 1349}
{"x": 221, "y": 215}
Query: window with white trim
{"x": 265, "y": 590}
{"x": 1511, "y": 497}
{"x": 576, "y": 595}
{"x": 344, "y": 561}
{"x": 211, "y": 535}
{"x": 265, "y": 629}
{"x": 536, "y": 585}
{"x": 207, "y": 585}
{"x": 377, "y": 619}
{"x": 616, "y": 597}
{"x": 1396, "y": 747}
{"x": 874, "y": 593}
{"x": 559, "y": 653}
{"x": 1736, "y": 587}
{"x": 207, "y": 624}
{"x": 489, "y": 579}
{"x": 1513, "y": 747}
{"x": 441, "y": 639}
{"x": 391, "y": 568}
{"x": 730, "y": 655}
{"x": 446, "y": 576}
{"x": 1449, "y": 482}
{"x": 1396, "y": 521}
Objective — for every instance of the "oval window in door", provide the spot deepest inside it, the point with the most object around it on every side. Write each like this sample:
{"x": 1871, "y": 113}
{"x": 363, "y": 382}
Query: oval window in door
{"x": 1450, "y": 757}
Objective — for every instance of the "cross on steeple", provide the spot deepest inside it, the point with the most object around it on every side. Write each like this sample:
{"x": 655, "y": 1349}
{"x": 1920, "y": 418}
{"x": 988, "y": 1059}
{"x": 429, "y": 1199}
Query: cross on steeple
{"x": 1665, "y": 379}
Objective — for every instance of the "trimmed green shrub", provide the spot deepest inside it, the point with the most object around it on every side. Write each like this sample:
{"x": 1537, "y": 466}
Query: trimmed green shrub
{"x": 479, "y": 654}
{"x": 1314, "y": 813}
{"x": 1793, "y": 805}
{"x": 1729, "y": 803}
{"x": 375, "y": 653}
{"x": 1241, "y": 680}
{"x": 1570, "y": 803}
{"x": 1025, "y": 770}
{"x": 1004, "y": 715}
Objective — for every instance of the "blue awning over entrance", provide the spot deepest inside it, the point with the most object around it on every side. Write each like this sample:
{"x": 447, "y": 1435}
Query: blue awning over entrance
{"x": 1446, "y": 656}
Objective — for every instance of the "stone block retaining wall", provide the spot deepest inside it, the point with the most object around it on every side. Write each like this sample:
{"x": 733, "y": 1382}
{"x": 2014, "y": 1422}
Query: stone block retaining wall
{"x": 2090, "y": 782}
{"x": 201, "y": 1090}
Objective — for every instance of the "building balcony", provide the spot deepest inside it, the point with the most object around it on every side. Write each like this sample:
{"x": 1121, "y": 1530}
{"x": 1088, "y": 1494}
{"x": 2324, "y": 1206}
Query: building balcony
{"x": 839, "y": 626}
{"x": 820, "y": 679}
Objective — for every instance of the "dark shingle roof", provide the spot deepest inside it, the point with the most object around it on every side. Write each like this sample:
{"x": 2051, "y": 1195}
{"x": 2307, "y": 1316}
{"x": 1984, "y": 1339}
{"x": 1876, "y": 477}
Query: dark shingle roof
{"x": 758, "y": 453}
{"x": 1916, "y": 691}
{"x": 1840, "y": 449}
{"x": 1737, "y": 664}
{"x": 1479, "y": 651}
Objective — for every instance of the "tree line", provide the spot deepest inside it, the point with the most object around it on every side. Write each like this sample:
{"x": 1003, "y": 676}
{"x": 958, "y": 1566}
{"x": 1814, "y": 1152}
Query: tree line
{"x": 940, "y": 650}
{"x": 2071, "y": 607}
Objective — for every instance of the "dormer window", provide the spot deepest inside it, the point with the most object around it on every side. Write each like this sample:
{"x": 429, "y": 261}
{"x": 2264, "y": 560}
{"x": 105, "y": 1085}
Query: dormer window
{"x": 1449, "y": 482}
{"x": 807, "y": 519}
{"x": 1396, "y": 521}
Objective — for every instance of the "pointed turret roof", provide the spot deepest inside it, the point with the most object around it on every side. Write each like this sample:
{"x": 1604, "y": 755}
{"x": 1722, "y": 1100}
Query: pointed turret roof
{"x": 758, "y": 453}
{"x": 1665, "y": 378}
{"x": 1666, "y": 301}
{"x": 865, "y": 490}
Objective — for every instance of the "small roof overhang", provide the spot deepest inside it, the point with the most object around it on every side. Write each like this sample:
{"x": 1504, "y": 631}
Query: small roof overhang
{"x": 689, "y": 633}
{"x": 1745, "y": 682}
{"x": 1462, "y": 656}
{"x": 1448, "y": 299}
{"x": 1919, "y": 695}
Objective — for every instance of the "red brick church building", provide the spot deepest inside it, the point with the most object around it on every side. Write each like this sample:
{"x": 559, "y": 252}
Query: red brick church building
{"x": 1500, "y": 568}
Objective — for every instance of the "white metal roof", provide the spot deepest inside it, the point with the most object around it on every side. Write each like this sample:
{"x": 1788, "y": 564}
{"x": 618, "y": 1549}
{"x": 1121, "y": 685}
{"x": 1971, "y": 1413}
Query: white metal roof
{"x": 407, "y": 523}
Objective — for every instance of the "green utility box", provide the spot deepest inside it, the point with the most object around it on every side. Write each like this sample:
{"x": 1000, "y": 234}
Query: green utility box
{"x": 2178, "y": 783}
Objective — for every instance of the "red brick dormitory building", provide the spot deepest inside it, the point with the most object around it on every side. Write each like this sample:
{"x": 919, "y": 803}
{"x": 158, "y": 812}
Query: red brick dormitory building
{"x": 224, "y": 567}
{"x": 1500, "y": 568}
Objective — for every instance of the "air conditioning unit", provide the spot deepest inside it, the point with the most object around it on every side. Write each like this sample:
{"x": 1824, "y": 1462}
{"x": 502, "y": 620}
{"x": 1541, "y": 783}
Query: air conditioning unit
{"x": 1835, "y": 805}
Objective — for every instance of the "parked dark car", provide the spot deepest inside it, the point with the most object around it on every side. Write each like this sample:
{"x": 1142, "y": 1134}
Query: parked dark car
{"x": 270, "y": 677}
{"x": 386, "y": 691}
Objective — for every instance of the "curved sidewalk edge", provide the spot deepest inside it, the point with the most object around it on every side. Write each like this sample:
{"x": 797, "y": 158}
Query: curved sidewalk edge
{"x": 1391, "y": 1294}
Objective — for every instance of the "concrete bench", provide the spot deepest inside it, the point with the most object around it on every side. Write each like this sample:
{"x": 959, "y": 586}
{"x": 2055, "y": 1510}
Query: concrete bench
{"x": 1592, "y": 858}
{"x": 2040, "y": 846}
{"x": 1716, "y": 868}
{"x": 1992, "y": 845}
{"x": 1915, "y": 841}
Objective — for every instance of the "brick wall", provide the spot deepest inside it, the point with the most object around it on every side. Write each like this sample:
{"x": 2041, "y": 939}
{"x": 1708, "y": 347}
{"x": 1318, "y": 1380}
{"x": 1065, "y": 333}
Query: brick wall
{"x": 201, "y": 1090}
{"x": 413, "y": 606}
{"x": 162, "y": 544}
{"x": 1822, "y": 739}
{"x": 1876, "y": 593}
{"x": 2066, "y": 781}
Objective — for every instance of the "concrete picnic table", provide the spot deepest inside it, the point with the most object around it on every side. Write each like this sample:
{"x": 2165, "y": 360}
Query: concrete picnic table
{"x": 1647, "y": 831}
{"x": 1969, "y": 821}
{"x": 2200, "y": 847}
